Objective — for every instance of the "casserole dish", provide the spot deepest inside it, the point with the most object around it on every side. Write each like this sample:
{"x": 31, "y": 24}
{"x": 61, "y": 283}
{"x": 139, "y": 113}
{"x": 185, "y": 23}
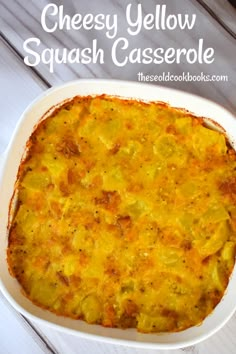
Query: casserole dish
{"x": 11, "y": 161}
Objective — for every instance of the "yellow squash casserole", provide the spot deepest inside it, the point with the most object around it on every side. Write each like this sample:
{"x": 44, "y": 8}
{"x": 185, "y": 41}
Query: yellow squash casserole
{"x": 124, "y": 215}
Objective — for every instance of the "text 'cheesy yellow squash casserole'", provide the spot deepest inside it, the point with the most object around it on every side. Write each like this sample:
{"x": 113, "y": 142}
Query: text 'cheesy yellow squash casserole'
{"x": 125, "y": 215}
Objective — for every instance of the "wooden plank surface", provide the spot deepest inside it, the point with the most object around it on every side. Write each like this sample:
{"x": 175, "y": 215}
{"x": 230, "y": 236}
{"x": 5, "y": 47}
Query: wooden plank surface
{"x": 21, "y": 20}
{"x": 17, "y": 335}
{"x": 19, "y": 85}
{"x": 224, "y": 12}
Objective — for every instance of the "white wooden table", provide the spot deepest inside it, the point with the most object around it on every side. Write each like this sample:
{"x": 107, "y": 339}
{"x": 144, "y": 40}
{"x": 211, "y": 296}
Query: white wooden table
{"x": 20, "y": 84}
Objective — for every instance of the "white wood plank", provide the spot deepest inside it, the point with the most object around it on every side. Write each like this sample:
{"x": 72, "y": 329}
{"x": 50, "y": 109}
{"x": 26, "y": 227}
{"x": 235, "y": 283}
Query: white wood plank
{"x": 224, "y": 342}
{"x": 16, "y": 336}
{"x": 225, "y": 11}
{"x": 18, "y": 87}
{"x": 21, "y": 20}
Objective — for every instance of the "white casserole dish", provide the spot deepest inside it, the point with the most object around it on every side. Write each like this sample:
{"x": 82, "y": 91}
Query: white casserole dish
{"x": 10, "y": 162}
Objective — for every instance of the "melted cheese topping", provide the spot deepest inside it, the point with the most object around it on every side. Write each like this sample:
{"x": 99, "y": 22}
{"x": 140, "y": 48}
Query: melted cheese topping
{"x": 125, "y": 215}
